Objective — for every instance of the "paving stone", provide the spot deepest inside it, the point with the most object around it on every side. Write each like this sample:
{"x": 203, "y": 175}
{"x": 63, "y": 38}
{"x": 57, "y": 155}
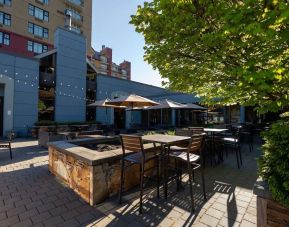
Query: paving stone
{"x": 245, "y": 223}
{"x": 16, "y": 211}
{"x": 41, "y": 217}
{"x": 250, "y": 217}
{"x": 83, "y": 218}
{"x": 26, "y": 223}
{"x": 45, "y": 207}
{"x": 215, "y": 213}
{"x": 53, "y": 221}
{"x": 9, "y": 221}
{"x": 70, "y": 223}
{"x": 28, "y": 214}
{"x": 209, "y": 220}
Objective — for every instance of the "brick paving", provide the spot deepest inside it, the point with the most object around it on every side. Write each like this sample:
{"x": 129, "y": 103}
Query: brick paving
{"x": 31, "y": 196}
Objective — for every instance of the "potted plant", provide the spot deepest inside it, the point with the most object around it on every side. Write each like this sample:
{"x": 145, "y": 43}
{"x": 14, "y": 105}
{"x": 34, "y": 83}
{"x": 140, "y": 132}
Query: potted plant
{"x": 272, "y": 188}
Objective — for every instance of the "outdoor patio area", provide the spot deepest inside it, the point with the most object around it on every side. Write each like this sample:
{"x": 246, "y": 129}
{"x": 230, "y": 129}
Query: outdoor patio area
{"x": 31, "y": 196}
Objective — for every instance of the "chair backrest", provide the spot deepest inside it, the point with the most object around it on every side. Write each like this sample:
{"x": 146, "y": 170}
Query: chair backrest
{"x": 196, "y": 130}
{"x": 11, "y": 136}
{"x": 131, "y": 143}
{"x": 183, "y": 132}
{"x": 196, "y": 144}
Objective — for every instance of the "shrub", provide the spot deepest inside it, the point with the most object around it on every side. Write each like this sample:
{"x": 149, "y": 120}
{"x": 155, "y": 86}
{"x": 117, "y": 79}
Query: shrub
{"x": 274, "y": 163}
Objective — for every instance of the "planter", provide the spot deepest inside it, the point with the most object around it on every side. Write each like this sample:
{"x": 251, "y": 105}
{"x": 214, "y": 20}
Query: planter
{"x": 269, "y": 212}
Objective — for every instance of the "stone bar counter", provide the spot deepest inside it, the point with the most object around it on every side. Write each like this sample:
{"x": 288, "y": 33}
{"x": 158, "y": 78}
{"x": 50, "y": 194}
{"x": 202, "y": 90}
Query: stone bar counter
{"x": 92, "y": 174}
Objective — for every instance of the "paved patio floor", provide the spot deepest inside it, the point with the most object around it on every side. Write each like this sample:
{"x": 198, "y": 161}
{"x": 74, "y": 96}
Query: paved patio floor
{"x": 31, "y": 196}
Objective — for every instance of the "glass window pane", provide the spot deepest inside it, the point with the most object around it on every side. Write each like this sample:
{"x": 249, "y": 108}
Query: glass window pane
{"x": 7, "y": 39}
{"x": 30, "y": 46}
{"x": 1, "y": 37}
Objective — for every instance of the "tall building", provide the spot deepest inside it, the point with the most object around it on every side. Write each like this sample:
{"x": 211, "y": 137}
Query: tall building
{"x": 102, "y": 60}
{"x": 27, "y": 27}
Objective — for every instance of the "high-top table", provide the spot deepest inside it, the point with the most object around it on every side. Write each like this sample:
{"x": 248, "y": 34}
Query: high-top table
{"x": 166, "y": 142}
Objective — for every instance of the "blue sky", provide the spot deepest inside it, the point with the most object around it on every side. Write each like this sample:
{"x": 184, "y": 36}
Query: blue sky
{"x": 110, "y": 27}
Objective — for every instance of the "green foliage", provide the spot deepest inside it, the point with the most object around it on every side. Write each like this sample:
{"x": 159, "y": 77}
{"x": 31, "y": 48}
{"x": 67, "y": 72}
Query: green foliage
{"x": 225, "y": 51}
{"x": 274, "y": 163}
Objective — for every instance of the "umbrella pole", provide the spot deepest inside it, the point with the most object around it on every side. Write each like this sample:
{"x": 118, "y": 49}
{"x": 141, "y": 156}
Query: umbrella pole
{"x": 148, "y": 119}
{"x": 106, "y": 116}
{"x": 161, "y": 117}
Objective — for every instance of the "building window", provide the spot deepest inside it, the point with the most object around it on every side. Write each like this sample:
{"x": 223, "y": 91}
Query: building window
{"x": 37, "y": 48}
{"x": 46, "y": 2}
{"x": 4, "y": 38}
{"x": 5, "y": 2}
{"x": 38, "y": 13}
{"x": 5, "y": 19}
{"x": 38, "y": 30}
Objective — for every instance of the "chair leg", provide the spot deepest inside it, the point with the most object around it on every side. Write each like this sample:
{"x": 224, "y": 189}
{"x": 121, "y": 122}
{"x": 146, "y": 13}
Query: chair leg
{"x": 177, "y": 174}
{"x": 191, "y": 186}
{"x": 10, "y": 149}
{"x": 237, "y": 156}
{"x": 158, "y": 178}
{"x": 203, "y": 182}
{"x": 121, "y": 181}
{"x": 141, "y": 188}
{"x": 240, "y": 154}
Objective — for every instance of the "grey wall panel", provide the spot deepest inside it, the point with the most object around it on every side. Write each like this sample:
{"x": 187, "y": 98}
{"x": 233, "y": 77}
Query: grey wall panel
{"x": 70, "y": 76}
{"x": 20, "y": 78}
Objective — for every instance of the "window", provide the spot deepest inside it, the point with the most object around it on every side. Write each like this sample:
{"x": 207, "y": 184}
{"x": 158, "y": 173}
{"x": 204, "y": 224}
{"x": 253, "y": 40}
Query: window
{"x": 44, "y": 1}
{"x": 5, "y": 19}
{"x": 4, "y": 38}
{"x": 5, "y": 2}
{"x": 38, "y": 13}
{"x": 38, "y": 30}
{"x": 37, "y": 48}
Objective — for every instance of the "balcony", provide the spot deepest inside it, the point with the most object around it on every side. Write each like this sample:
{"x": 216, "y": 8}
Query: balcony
{"x": 47, "y": 79}
{"x": 77, "y": 4}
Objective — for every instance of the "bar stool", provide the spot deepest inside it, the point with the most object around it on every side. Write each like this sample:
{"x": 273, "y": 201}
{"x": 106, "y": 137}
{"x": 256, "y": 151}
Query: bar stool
{"x": 192, "y": 156}
{"x": 138, "y": 156}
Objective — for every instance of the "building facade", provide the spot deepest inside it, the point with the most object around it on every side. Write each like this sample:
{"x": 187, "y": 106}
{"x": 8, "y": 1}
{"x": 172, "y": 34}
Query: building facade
{"x": 102, "y": 60}
{"x": 27, "y": 27}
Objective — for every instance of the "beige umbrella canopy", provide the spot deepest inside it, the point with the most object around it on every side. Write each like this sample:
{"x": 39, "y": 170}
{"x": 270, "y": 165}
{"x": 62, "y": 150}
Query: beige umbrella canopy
{"x": 132, "y": 101}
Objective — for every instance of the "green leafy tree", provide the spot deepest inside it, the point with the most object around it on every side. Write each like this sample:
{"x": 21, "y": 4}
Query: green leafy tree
{"x": 225, "y": 51}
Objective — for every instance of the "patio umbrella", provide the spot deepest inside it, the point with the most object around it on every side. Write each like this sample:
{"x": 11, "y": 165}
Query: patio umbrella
{"x": 103, "y": 103}
{"x": 132, "y": 101}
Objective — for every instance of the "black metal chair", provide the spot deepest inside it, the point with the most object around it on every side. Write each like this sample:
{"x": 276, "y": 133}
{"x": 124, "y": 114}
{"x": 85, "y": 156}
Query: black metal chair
{"x": 192, "y": 156}
{"x": 138, "y": 156}
{"x": 234, "y": 141}
{"x": 7, "y": 143}
{"x": 247, "y": 132}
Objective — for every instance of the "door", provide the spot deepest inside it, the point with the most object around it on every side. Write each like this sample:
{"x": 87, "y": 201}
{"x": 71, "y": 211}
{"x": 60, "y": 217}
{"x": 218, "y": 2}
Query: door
{"x": 1, "y": 115}
{"x": 119, "y": 118}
